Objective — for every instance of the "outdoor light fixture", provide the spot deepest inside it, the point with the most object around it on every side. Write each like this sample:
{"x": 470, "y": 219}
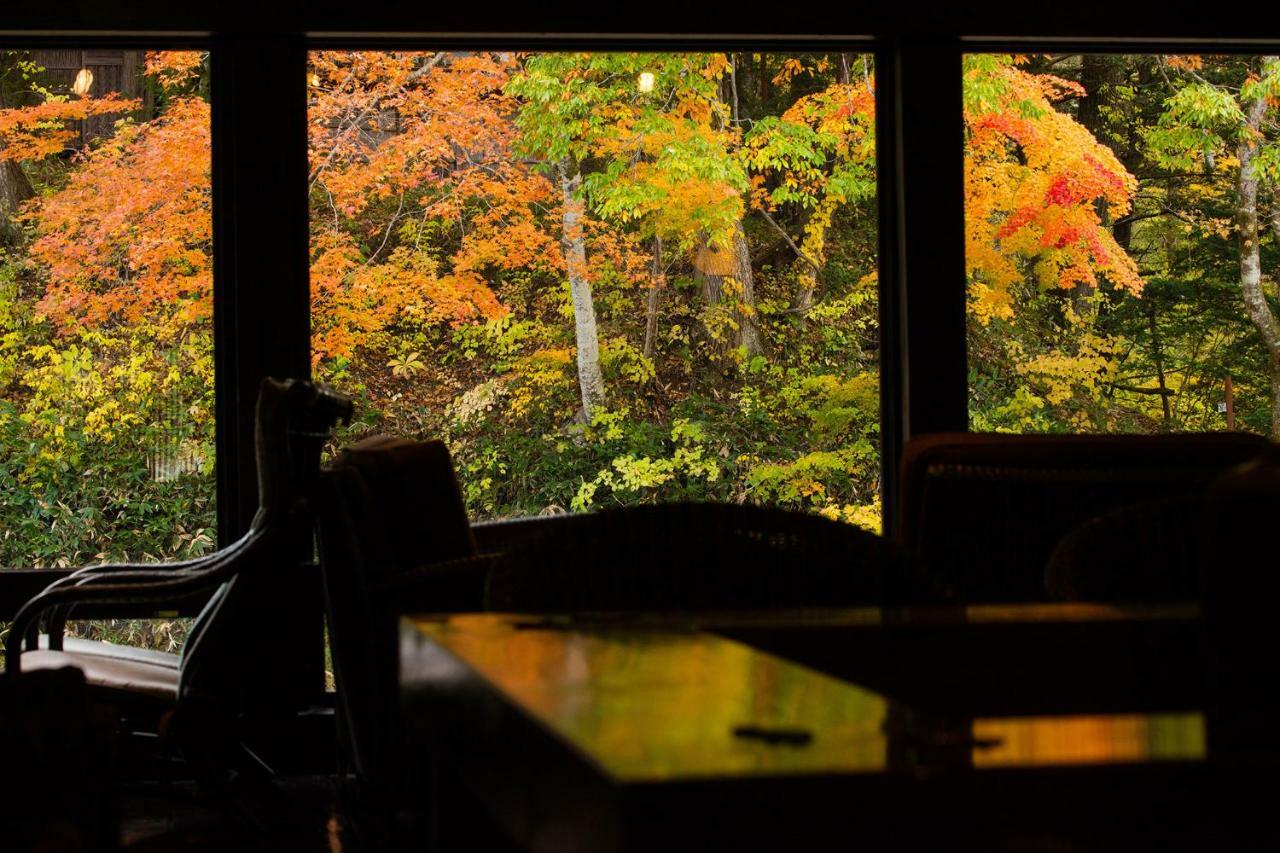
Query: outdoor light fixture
{"x": 645, "y": 84}
{"x": 84, "y": 81}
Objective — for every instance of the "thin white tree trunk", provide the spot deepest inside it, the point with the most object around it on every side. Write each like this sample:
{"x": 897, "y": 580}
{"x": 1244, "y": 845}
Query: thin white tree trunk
{"x": 1255, "y": 300}
{"x": 590, "y": 379}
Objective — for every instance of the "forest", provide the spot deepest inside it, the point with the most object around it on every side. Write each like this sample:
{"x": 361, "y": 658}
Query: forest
{"x": 613, "y": 278}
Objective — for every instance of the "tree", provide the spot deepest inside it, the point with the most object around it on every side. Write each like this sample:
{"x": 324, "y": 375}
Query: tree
{"x": 1040, "y": 192}
{"x": 400, "y": 142}
{"x": 659, "y": 159}
{"x": 126, "y": 243}
{"x": 34, "y": 131}
{"x": 1234, "y": 115}
{"x": 817, "y": 156}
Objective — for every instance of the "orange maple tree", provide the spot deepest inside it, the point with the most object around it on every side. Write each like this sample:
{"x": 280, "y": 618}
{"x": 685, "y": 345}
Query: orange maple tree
{"x": 45, "y": 129}
{"x": 400, "y": 143}
{"x": 1037, "y": 188}
{"x": 128, "y": 240}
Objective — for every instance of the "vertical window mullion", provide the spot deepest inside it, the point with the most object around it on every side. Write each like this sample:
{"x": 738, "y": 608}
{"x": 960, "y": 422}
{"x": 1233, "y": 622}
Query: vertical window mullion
{"x": 262, "y": 328}
{"x": 261, "y": 305}
{"x": 928, "y": 112}
{"x": 891, "y": 291}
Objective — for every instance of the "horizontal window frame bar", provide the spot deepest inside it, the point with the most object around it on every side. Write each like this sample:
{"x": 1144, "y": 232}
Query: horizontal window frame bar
{"x": 617, "y": 43}
{"x": 19, "y": 40}
{"x": 1217, "y": 47}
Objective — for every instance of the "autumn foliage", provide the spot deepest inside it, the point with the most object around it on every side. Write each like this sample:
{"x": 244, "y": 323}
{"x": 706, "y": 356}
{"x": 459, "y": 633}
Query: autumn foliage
{"x": 127, "y": 242}
{"x": 474, "y": 215}
{"x": 1037, "y": 188}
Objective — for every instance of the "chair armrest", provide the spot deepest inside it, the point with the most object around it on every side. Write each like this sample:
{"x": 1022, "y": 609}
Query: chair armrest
{"x": 119, "y": 574}
{"x": 135, "y": 586}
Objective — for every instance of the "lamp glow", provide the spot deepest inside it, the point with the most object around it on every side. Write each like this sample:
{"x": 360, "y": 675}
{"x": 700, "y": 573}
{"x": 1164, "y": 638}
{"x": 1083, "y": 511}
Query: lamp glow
{"x": 645, "y": 83}
{"x": 84, "y": 81}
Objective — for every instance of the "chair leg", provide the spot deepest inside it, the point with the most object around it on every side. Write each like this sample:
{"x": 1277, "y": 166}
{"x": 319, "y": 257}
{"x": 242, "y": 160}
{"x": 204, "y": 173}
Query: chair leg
{"x": 234, "y": 778}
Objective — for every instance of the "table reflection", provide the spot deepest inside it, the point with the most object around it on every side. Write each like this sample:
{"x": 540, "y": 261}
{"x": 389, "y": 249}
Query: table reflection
{"x": 1088, "y": 739}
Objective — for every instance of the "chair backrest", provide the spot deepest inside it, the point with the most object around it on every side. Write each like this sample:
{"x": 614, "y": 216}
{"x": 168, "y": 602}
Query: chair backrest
{"x": 394, "y": 537}
{"x": 691, "y": 556}
{"x": 292, "y": 421}
{"x": 1239, "y": 587}
{"x": 1142, "y": 553}
{"x": 982, "y": 513}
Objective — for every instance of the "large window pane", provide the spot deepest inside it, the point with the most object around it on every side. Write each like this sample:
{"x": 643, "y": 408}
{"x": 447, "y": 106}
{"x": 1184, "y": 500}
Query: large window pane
{"x": 605, "y": 278}
{"x": 1122, "y": 219}
{"x": 106, "y": 371}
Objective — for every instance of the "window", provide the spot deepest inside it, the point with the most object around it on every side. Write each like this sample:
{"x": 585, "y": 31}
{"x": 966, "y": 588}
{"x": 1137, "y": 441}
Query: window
{"x": 605, "y": 278}
{"x": 1122, "y": 220}
{"x": 106, "y": 340}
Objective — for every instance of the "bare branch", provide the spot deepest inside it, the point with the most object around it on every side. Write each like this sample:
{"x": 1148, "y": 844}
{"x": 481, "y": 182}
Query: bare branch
{"x": 792, "y": 243}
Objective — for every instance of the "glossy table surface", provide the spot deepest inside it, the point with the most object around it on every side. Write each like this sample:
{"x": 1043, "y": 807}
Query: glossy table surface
{"x": 635, "y": 719}
{"x": 665, "y": 701}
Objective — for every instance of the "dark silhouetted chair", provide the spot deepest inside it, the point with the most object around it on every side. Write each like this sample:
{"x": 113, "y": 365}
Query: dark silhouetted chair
{"x": 1147, "y": 552}
{"x": 57, "y": 791}
{"x": 293, "y": 420}
{"x": 1166, "y": 550}
{"x": 394, "y": 538}
{"x": 1239, "y": 587}
{"x": 982, "y": 513}
{"x": 695, "y": 556}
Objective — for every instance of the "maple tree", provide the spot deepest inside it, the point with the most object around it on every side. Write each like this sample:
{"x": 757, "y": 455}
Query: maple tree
{"x": 1037, "y": 186}
{"x": 448, "y": 152}
{"x": 1040, "y": 194}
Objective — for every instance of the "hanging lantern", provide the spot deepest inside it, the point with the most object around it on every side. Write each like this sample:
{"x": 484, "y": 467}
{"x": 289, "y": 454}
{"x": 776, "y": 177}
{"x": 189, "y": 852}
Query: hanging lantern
{"x": 84, "y": 82}
{"x": 645, "y": 83}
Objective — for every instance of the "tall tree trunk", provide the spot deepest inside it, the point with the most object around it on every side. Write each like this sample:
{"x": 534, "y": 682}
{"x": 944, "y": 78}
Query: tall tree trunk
{"x": 655, "y": 294}
{"x": 15, "y": 188}
{"x": 1255, "y": 300}
{"x": 590, "y": 379}
{"x": 1098, "y": 71}
{"x": 725, "y": 279}
{"x": 733, "y": 86}
{"x": 725, "y": 276}
{"x": 1157, "y": 355}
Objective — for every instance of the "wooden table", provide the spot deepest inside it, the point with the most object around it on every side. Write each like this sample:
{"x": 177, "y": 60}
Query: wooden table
{"x": 662, "y": 733}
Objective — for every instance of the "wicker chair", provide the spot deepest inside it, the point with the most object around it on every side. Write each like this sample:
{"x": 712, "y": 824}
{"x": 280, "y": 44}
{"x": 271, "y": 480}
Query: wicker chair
{"x": 1239, "y": 586}
{"x": 695, "y": 556}
{"x": 983, "y": 513}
